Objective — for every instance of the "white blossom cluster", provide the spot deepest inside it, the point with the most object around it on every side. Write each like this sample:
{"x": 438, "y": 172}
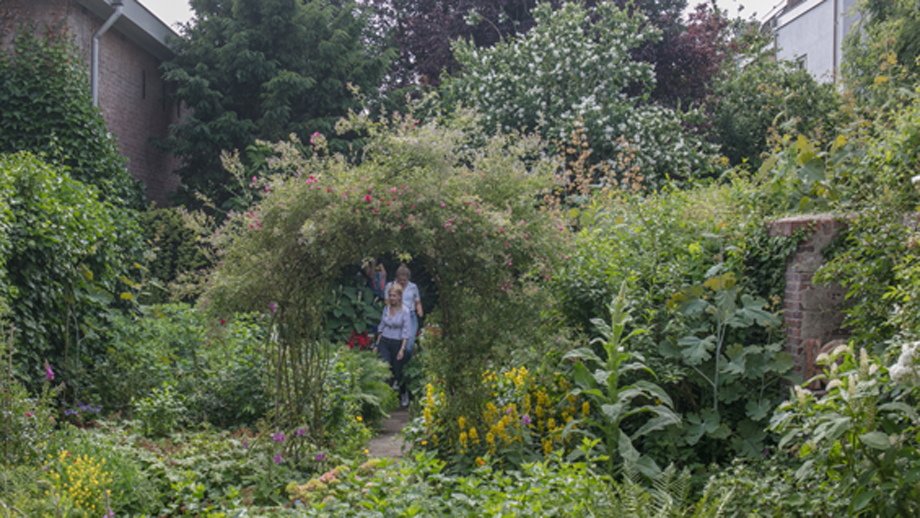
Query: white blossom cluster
{"x": 574, "y": 69}
{"x": 905, "y": 370}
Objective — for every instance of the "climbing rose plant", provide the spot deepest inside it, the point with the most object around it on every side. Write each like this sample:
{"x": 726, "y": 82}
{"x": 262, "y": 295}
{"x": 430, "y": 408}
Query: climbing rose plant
{"x": 469, "y": 207}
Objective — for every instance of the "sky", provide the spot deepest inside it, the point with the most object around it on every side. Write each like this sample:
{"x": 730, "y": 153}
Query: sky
{"x": 178, "y": 11}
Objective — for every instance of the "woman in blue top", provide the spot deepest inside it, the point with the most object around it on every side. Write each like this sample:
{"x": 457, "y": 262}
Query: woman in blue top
{"x": 410, "y": 300}
{"x": 393, "y": 333}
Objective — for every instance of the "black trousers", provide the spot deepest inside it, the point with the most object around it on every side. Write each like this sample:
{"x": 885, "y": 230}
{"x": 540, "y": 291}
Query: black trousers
{"x": 388, "y": 349}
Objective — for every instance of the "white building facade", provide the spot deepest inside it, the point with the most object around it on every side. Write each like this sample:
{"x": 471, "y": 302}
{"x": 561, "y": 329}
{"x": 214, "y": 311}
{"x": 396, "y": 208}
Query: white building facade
{"x": 811, "y": 33}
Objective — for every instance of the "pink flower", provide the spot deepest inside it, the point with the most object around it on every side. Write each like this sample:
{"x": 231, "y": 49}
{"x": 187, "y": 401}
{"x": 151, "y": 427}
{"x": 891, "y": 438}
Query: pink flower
{"x": 223, "y": 321}
{"x": 367, "y": 198}
{"x": 28, "y": 414}
{"x": 442, "y": 205}
{"x": 49, "y": 374}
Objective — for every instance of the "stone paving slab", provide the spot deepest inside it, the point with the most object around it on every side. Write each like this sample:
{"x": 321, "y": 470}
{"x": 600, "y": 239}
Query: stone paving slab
{"x": 389, "y": 443}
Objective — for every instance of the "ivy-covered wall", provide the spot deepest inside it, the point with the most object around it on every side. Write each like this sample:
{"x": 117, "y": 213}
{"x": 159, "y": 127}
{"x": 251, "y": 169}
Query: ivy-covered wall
{"x": 131, "y": 89}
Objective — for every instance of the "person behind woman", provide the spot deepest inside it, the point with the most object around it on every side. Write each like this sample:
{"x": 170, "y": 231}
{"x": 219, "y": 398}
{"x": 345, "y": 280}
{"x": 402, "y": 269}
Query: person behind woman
{"x": 411, "y": 301}
{"x": 376, "y": 277}
{"x": 394, "y": 331}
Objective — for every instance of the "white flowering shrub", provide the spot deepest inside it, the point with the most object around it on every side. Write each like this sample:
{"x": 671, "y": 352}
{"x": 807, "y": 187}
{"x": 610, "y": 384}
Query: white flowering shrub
{"x": 575, "y": 69}
{"x": 905, "y": 371}
{"x": 857, "y": 442}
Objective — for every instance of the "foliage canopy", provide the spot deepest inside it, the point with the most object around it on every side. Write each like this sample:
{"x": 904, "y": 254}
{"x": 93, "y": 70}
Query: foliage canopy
{"x": 265, "y": 69}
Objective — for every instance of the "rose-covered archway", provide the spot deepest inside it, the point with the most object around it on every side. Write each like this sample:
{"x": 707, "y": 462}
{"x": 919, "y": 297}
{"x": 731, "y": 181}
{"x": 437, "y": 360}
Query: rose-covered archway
{"x": 473, "y": 209}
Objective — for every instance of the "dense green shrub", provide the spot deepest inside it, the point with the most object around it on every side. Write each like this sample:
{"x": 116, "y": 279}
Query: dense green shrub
{"x": 69, "y": 255}
{"x": 860, "y": 438}
{"x": 47, "y": 110}
{"x": 176, "y": 250}
{"x": 216, "y": 371}
{"x": 358, "y": 386}
{"x": 770, "y": 487}
{"x": 880, "y": 54}
{"x": 756, "y": 96}
{"x": 701, "y": 268}
{"x": 875, "y": 257}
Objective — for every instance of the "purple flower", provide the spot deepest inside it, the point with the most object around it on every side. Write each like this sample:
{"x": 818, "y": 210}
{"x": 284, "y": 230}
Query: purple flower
{"x": 273, "y": 307}
{"x": 278, "y": 437}
{"x": 320, "y": 457}
{"x": 300, "y": 432}
{"x": 49, "y": 374}
{"x": 245, "y": 444}
{"x": 277, "y": 459}
{"x": 526, "y": 419}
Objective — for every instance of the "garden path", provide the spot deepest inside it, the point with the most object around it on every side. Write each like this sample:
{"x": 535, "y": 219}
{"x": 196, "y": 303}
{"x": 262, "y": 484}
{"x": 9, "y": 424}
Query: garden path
{"x": 389, "y": 443}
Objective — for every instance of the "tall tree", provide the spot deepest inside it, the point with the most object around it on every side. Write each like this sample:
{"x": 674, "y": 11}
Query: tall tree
{"x": 689, "y": 53}
{"x": 265, "y": 69}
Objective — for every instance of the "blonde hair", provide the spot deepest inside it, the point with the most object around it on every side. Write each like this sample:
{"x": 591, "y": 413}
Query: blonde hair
{"x": 397, "y": 288}
{"x": 403, "y": 271}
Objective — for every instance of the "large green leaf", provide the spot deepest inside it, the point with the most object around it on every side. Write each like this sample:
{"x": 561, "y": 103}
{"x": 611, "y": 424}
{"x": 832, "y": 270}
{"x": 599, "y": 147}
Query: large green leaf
{"x": 752, "y": 311}
{"x": 695, "y": 350}
{"x": 736, "y": 364}
{"x": 655, "y": 391}
{"x": 582, "y": 377}
{"x": 877, "y": 440}
{"x": 697, "y": 425}
{"x": 582, "y": 353}
{"x": 613, "y": 412}
{"x": 665, "y": 418}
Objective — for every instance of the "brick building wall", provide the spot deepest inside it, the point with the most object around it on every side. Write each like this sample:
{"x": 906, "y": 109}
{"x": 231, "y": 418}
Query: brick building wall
{"x": 131, "y": 88}
{"x": 813, "y": 313}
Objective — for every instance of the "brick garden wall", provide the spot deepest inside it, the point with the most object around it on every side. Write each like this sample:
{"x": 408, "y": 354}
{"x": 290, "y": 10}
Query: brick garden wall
{"x": 812, "y": 312}
{"x": 131, "y": 89}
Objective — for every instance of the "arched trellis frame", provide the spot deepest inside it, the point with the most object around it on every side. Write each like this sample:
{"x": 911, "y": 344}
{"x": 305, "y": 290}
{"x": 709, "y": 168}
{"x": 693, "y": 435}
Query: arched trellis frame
{"x": 472, "y": 208}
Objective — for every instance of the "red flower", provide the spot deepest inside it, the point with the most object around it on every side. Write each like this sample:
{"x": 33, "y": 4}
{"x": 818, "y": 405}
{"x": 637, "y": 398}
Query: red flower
{"x": 223, "y": 321}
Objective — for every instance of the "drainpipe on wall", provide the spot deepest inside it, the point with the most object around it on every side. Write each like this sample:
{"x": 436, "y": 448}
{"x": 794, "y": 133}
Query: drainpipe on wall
{"x": 94, "y": 74}
{"x": 836, "y": 36}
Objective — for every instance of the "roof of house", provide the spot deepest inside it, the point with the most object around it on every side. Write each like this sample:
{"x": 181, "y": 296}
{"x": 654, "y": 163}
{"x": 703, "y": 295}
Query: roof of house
{"x": 137, "y": 24}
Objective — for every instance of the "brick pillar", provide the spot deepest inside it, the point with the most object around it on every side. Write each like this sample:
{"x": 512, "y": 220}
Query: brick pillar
{"x": 812, "y": 313}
